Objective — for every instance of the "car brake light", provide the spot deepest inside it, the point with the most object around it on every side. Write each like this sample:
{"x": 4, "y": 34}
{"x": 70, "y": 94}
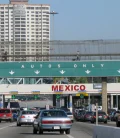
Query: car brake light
{"x": 67, "y": 122}
{"x": 22, "y": 116}
{"x": 94, "y": 116}
{"x": 10, "y": 114}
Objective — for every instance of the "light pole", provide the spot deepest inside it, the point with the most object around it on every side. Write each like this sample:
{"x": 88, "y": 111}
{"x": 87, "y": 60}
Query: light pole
{"x": 53, "y": 13}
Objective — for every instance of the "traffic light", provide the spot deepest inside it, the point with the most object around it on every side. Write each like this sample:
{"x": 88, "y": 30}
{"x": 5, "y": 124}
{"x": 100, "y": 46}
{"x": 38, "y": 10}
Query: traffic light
{"x": 13, "y": 96}
{"x": 35, "y": 97}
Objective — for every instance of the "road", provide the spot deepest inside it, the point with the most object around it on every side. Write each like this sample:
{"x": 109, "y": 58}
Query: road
{"x": 79, "y": 130}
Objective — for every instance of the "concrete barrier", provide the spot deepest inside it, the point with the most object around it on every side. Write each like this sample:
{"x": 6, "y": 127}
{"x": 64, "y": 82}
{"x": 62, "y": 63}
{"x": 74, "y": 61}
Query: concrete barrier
{"x": 106, "y": 132}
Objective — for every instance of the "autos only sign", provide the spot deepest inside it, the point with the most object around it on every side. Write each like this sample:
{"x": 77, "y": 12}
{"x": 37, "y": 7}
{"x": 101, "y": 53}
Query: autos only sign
{"x": 68, "y": 88}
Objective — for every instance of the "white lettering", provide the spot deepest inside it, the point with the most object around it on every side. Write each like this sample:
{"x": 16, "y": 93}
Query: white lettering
{"x": 49, "y": 65}
{"x": 58, "y": 65}
{"x": 75, "y": 65}
{"x": 41, "y": 65}
{"x": 92, "y": 65}
{"x": 22, "y": 66}
{"x": 32, "y": 66}
{"x": 84, "y": 65}
{"x": 102, "y": 65}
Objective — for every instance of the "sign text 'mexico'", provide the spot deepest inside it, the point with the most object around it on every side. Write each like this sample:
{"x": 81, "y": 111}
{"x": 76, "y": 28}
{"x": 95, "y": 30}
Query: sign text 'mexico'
{"x": 68, "y": 87}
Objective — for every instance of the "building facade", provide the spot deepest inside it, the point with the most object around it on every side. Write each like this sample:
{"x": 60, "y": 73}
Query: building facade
{"x": 23, "y": 28}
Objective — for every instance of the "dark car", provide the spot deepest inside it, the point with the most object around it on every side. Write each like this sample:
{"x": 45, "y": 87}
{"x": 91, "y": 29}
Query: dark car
{"x": 102, "y": 117}
{"x": 87, "y": 116}
{"x": 79, "y": 115}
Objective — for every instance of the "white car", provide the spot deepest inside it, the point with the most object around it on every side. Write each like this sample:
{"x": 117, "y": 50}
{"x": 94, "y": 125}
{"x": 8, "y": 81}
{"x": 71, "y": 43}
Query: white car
{"x": 70, "y": 115}
{"x": 26, "y": 117}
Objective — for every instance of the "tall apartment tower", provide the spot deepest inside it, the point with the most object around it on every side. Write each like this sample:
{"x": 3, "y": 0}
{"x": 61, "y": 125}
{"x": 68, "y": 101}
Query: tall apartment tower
{"x": 24, "y": 28}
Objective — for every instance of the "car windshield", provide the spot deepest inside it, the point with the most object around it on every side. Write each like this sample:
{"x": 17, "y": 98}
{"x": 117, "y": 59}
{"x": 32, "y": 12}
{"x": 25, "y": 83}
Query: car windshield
{"x": 29, "y": 112}
{"x": 5, "y": 111}
{"x": 54, "y": 114}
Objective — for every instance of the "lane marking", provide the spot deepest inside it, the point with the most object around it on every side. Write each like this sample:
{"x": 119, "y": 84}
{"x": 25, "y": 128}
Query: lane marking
{"x": 69, "y": 136}
{"x": 1, "y": 128}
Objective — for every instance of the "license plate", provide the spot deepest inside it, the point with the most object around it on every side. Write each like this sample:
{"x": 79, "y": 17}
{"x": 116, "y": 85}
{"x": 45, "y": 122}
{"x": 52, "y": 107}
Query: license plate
{"x": 56, "y": 127}
{"x": 29, "y": 120}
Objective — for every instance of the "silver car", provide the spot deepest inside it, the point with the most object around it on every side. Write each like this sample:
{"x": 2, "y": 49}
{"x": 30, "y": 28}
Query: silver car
{"x": 26, "y": 117}
{"x": 70, "y": 115}
{"x": 52, "y": 120}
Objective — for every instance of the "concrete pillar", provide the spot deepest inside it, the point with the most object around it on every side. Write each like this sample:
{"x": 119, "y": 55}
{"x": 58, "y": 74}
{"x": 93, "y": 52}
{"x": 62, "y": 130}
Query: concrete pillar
{"x": 70, "y": 102}
{"x": 104, "y": 94}
{"x": 111, "y": 101}
{"x": 2, "y": 101}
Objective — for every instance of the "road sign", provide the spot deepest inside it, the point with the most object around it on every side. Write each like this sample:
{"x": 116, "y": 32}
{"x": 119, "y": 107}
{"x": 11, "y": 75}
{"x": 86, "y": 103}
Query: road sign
{"x": 81, "y": 96}
{"x": 35, "y": 97}
{"x": 13, "y": 96}
{"x": 60, "y": 69}
{"x": 58, "y": 96}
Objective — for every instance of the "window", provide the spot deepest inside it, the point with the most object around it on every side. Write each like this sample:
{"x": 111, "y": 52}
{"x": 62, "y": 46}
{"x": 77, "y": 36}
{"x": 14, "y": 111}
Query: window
{"x": 4, "y": 111}
{"x": 54, "y": 114}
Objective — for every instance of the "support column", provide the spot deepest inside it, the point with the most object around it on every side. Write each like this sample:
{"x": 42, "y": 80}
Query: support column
{"x": 2, "y": 101}
{"x": 111, "y": 101}
{"x": 89, "y": 101}
{"x": 70, "y": 102}
{"x": 117, "y": 101}
{"x": 54, "y": 100}
{"x": 104, "y": 94}
{"x": 65, "y": 101}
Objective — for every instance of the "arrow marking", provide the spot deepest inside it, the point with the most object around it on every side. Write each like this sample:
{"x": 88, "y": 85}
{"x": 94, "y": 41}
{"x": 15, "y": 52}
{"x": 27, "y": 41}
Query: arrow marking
{"x": 62, "y": 71}
{"x": 118, "y": 71}
{"x": 11, "y": 72}
{"x": 37, "y": 72}
{"x": 87, "y": 71}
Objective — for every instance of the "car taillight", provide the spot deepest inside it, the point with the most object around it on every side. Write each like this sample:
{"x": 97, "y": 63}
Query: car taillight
{"x": 22, "y": 116}
{"x": 105, "y": 116}
{"x": 94, "y": 116}
{"x": 10, "y": 114}
{"x": 67, "y": 122}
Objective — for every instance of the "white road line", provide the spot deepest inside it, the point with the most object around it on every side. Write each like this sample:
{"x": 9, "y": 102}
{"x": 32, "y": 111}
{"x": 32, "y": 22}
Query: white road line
{"x": 1, "y": 128}
{"x": 69, "y": 136}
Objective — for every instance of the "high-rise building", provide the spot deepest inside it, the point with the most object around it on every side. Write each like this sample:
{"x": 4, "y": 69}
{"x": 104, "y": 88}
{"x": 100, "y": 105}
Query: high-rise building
{"x": 23, "y": 29}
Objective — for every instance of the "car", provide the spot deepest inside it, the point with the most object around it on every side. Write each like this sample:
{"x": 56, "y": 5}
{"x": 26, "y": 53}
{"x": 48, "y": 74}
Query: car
{"x": 70, "y": 115}
{"x": 6, "y": 115}
{"x": 26, "y": 117}
{"x": 87, "y": 116}
{"x": 52, "y": 120}
{"x": 102, "y": 117}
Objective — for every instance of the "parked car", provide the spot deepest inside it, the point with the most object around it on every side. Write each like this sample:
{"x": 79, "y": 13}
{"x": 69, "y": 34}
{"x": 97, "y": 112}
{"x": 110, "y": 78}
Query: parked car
{"x": 6, "y": 115}
{"x": 79, "y": 115}
{"x": 26, "y": 117}
{"x": 52, "y": 120}
{"x": 102, "y": 117}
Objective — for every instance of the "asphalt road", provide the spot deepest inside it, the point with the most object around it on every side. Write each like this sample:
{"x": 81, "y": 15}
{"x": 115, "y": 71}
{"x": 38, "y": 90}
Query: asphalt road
{"x": 79, "y": 130}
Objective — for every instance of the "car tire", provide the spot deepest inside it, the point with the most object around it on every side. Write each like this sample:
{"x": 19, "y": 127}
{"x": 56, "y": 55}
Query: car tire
{"x": 40, "y": 131}
{"x": 92, "y": 122}
{"x": 117, "y": 124}
{"x": 61, "y": 131}
{"x": 0, "y": 121}
{"x": 18, "y": 124}
{"x": 105, "y": 122}
{"x": 34, "y": 131}
{"x": 67, "y": 131}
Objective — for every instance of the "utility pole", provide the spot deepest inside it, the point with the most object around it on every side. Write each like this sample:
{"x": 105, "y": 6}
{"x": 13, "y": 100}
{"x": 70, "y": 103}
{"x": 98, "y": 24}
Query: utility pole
{"x": 53, "y": 13}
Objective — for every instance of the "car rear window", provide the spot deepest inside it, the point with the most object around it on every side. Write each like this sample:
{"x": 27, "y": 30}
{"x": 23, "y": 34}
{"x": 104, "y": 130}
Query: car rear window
{"x": 29, "y": 112}
{"x": 54, "y": 114}
{"x": 100, "y": 113}
{"x": 89, "y": 113}
{"x": 69, "y": 113}
{"x": 5, "y": 111}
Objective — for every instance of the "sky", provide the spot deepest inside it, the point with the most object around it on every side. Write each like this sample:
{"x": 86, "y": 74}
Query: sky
{"x": 84, "y": 19}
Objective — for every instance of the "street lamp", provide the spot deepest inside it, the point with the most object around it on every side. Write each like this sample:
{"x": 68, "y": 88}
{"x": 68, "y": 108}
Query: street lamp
{"x": 53, "y": 13}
